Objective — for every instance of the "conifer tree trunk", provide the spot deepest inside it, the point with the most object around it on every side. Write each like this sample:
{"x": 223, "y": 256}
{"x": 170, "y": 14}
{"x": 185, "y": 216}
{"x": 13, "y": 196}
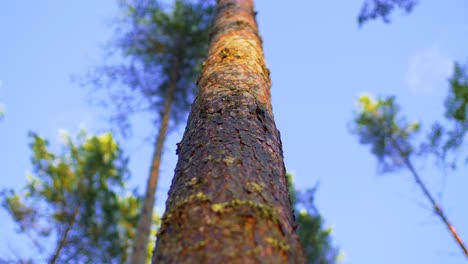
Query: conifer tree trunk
{"x": 139, "y": 248}
{"x": 229, "y": 201}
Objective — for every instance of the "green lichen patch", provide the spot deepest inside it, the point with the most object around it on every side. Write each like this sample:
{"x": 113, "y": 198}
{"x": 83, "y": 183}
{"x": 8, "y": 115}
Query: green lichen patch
{"x": 218, "y": 208}
{"x": 278, "y": 244}
{"x": 199, "y": 197}
{"x": 262, "y": 210}
{"x": 253, "y": 187}
{"x": 230, "y": 160}
{"x": 194, "y": 181}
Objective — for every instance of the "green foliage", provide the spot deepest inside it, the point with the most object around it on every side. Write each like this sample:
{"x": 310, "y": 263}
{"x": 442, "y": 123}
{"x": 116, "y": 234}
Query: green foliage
{"x": 2, "y": 112}
{"x": 78, "y": 200}
{"x": 444, "y": 140}
{"x": 157, "y": 43}
{"x": 377, "y": 123}
{"x": 315, "y": 240}
{"x": 291, "y": 189}
{"x": 373, "y": 9}
{"x": 456, "y": 103}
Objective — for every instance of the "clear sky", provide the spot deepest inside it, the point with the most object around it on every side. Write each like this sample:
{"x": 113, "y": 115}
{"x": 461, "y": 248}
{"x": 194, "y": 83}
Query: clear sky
{"x": 320, "y": 62}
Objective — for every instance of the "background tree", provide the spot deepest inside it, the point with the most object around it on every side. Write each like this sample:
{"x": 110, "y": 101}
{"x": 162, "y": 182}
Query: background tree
{"x": 374, "y": 9}
{"x": 2, "y": 111}
{"x": 229, "y": 198}
{"x": 151, "y": 38}
{"x": 77, "y": 199}
{"x": 315, "y": 240}
{"x": 164, "y": 47}
{"x": 378, "y": 123}
{"x": 445, "y": 139}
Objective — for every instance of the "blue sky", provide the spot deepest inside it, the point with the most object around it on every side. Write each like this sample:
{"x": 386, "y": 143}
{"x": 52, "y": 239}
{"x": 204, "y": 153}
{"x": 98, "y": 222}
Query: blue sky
{"x": 320, "y": 62}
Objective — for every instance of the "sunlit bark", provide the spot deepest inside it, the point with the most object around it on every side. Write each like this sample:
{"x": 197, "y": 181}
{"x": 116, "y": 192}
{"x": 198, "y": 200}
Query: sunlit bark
{"x": 229, "y": 201}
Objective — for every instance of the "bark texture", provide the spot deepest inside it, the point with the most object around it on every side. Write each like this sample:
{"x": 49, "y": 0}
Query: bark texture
{"x": 229, "y": 201}
{"x": 139, "y": 248}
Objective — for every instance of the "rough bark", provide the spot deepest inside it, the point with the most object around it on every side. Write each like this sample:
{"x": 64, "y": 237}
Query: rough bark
{"x": 229, "y": 201}
{"x": 139, "y": 248}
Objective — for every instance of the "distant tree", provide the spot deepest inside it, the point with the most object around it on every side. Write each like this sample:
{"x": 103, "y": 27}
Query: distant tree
{"x": 378, "y": 123}
{"x": 446, "y": 139}
{"x": 163, "y": 48}
{"x": 374, "y": 9}
{"x": 2, "y": 111}
{"x": 315, "y": 240}
{"x": 152, "y": 38}
{"x": 77, "y": 199}
{"x": 229, "y": 200}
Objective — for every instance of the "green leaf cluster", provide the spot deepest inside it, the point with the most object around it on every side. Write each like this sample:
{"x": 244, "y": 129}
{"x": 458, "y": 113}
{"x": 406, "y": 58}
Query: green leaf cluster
{"x": 456, "y": 103}
{"x": 377, "y": 122}
{"x": 78, "y": 200}
{"x": 445, "y": 139}
{"x": 316, "y": 241}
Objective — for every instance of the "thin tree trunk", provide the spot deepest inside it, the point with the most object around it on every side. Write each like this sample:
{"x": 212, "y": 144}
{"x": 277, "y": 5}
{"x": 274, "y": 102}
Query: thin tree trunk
{"x": 139, "y": 248}
{"x": 64, "y": 238}
{"x": 229, "y": 201}
{"x": 437, "y": 209}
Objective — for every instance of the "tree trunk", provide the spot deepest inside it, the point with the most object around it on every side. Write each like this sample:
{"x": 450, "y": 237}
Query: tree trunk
{"x": 139, "y": 248}
{"x": 229, "y": 201}
{"x": 437, "y": 209}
